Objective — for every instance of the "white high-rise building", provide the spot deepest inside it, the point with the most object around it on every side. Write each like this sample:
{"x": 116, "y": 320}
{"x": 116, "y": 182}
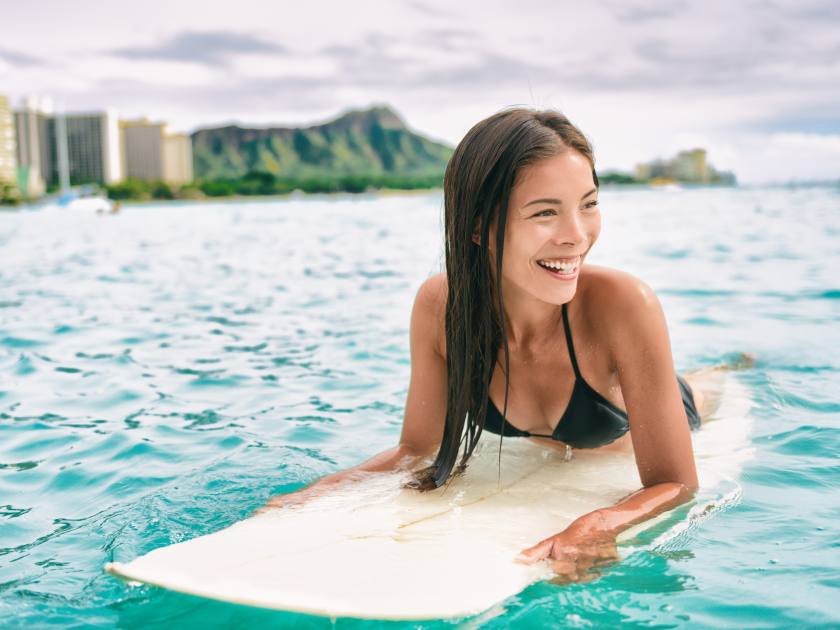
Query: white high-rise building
{"x": 8, "y": 157}
{"x": 152, "y": 152}
{"x": 94, "y": 148}
{"x": 91, "y": 142}
{"x": 177, "y": 158}
{"x": 35, "y": 145}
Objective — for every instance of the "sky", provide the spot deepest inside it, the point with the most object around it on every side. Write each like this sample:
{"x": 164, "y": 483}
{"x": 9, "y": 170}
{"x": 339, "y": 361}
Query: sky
{"x": 755, "y": 82}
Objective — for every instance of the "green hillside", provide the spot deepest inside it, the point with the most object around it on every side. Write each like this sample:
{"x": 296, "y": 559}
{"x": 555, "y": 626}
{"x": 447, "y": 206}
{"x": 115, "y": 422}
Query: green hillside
{"x": 370, "y": 142}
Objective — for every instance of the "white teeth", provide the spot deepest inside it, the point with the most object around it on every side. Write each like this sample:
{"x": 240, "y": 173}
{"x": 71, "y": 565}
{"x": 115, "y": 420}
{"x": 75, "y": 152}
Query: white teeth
{"x": 559, "y": 266}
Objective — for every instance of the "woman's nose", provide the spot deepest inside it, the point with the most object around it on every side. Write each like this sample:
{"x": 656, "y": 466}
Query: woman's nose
{"x": 569, "y": 230}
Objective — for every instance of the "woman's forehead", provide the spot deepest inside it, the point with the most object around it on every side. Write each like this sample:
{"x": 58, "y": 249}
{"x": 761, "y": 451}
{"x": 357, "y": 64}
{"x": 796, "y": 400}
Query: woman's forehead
{"x": 567, "y": 176}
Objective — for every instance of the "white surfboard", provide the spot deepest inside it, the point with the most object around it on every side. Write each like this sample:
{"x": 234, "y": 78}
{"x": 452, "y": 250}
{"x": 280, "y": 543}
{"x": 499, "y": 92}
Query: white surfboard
{"x": 377, "y": 551}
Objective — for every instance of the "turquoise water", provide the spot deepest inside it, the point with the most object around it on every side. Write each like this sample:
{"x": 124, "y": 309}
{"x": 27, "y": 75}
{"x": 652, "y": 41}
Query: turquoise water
{"x": 163, "y": 371}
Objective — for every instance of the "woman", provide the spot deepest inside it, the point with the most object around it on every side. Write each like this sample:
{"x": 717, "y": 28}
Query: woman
{"x": 520, "y": 323}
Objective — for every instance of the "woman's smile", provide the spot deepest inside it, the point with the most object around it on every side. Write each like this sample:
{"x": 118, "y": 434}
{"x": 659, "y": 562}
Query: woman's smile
{"x": 566, "y": 268}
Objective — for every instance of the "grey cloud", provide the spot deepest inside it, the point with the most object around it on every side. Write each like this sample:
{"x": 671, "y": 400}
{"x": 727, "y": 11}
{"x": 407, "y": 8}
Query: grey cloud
{"x": 490, "y": 70}
{"x": 646, "y": 10}
{"x": 18, "y": 59}
{"x": 376, "y": 43}
{"x": 818, "y": 116}
{"x": 426, "y": 9}
{"x": 209, "y": 47}
{"x": 338, "y": 50}
{"x": 374, "y": 64}
{"x": 362, "y": 68}
{"x": 250, "y": 96}
{"x": 370, "y": 63}
{"x": 449, "y": 39}
{"x": 821, "y": 10}
{"x": 373, "y": 61}
{"x": 737, "y": 59}
{"x": 753, "y": 52}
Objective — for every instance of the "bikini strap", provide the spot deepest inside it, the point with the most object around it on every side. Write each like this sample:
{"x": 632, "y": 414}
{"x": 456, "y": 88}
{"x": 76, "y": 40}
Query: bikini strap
{"x": 569, "y": 344}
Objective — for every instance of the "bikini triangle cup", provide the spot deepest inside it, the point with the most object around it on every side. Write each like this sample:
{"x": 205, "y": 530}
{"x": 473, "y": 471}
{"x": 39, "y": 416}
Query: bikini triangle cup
{"x": 590, "y": 420}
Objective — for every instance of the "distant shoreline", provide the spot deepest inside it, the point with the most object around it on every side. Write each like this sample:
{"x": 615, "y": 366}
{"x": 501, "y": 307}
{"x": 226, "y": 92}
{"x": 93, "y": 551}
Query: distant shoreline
{"x": 295, "y": 194}
{"x": 260, "y": 184}
{"x": 301, "y": 194}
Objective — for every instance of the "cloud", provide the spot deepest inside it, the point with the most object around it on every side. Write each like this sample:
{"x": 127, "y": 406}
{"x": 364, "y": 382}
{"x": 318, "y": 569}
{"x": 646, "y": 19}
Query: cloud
{"x": 216, "y": 103}
{"x": 449, "y": 39}
{"x": 820, "y": 10}
{"x": 427, "y": 9}
{"x": 490, "y": 69}
{"x": 647, "y": 10}
{"x": 209, "y": 47}
{"x": 18, "y": 59}
{"x": 639, "y": 74}
{"x": 787, "y": 157}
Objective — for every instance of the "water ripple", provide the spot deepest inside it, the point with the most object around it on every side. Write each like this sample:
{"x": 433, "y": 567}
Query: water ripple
{"x": 163, "y": 371}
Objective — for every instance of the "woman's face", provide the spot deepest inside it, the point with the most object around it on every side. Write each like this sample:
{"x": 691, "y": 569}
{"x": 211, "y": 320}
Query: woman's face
{"x": 553, "y": 220}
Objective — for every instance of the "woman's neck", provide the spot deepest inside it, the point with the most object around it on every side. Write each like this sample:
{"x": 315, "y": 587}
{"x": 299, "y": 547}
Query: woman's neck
{"x": 530, "y": 323}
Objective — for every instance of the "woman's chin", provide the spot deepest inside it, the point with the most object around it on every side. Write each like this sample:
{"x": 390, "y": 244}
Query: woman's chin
{"x": 558, "y": 297}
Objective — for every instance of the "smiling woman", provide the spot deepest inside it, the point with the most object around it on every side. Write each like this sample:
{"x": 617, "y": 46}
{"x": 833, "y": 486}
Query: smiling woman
{"x": 520, "y": 318}
{"x": 522, "y": 210}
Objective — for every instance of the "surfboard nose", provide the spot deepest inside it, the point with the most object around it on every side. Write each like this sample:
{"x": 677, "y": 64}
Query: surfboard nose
{"x": 112, "y": 567}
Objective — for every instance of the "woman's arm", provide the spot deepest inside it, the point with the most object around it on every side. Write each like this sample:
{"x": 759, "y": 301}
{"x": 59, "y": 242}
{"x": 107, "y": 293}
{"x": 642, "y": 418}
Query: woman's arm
{"x": 400, "y": 457}
{"x": 636, "y": 332}
{"x": 425, "y": 407}
{"x": 589, "y": 542}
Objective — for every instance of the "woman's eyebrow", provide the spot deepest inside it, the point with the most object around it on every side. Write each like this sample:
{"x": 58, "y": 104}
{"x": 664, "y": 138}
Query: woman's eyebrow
{"x": 556, "y": 202}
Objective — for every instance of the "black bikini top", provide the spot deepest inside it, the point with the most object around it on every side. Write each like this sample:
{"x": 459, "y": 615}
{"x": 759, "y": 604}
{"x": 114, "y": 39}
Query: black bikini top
{"x": 590, "y": 420}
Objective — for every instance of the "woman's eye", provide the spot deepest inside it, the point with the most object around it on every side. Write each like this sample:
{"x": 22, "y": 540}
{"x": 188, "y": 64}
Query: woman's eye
{"x": 591, "y": 205}
{"x": 544, "y": 213}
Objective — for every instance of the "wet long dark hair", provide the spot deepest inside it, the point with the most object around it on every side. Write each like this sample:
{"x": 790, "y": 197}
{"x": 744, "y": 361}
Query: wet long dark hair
{"x": 477, "y": 186}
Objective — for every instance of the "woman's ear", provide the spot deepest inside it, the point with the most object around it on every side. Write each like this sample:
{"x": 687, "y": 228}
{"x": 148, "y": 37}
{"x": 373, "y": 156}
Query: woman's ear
{"x": 476, "y": 237}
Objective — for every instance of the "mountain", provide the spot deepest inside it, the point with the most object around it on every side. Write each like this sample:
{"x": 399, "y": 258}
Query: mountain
{"x": 372, "y": 141}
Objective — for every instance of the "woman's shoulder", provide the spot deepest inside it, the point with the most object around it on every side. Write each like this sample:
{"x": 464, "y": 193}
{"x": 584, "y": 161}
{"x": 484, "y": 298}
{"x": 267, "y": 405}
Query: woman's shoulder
{"x": 623, "y": 313}
{"x": 603, "y": 284}
{"x": 431, "y": 295}
{"x": 614, "y": 297}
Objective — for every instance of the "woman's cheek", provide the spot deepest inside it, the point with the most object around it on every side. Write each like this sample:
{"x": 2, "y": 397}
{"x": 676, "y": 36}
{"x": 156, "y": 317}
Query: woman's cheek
{"x": 595, "y": 229}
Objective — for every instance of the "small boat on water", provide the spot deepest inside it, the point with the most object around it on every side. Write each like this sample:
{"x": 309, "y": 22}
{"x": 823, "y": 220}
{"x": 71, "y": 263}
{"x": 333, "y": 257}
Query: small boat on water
{"x": 86, "y": 203}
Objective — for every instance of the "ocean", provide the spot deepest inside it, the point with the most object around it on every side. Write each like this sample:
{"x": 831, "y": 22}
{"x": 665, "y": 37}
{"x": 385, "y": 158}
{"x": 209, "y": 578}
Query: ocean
{"x": 166, "y": 369}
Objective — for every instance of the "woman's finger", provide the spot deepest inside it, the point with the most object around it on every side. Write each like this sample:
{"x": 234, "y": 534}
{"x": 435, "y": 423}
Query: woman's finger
{"x": 590, "y": 575}
{"x": 536, "y": 553}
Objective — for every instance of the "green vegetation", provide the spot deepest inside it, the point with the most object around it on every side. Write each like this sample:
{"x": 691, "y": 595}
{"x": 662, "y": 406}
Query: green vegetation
{"x": 372, "y": 143}
{"x": 8, "y": 194}
{"x": 262, "y": 183}
{"x": 361, "y": 150}
{"x": 615, "y": 177}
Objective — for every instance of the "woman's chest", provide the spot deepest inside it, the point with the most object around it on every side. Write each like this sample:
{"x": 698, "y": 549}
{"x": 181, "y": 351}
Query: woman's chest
{"x": 543, "y": 386}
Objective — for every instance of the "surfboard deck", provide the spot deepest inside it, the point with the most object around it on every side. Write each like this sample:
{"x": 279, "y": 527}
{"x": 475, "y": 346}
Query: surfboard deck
{"x": 377, "y": 551}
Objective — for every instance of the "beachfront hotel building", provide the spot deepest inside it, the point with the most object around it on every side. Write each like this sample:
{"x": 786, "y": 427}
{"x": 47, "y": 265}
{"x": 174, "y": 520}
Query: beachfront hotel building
{"x": 152, "y": 152}
{"x": 34, "y": 146}
{"x": 687, "y": 166}
{"x": 8, "y": 157}
{"x": 94, "y": 148}
{"x": 691, "y": 166}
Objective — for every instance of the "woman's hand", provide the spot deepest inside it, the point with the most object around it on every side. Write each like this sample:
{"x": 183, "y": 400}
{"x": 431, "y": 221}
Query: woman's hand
{"x": 575, "y": 556}
{"x": 282, "y": 500}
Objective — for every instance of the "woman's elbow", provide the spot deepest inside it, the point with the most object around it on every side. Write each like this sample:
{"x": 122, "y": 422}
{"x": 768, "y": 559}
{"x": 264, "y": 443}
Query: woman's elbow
{"x": 688, "y": 488}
